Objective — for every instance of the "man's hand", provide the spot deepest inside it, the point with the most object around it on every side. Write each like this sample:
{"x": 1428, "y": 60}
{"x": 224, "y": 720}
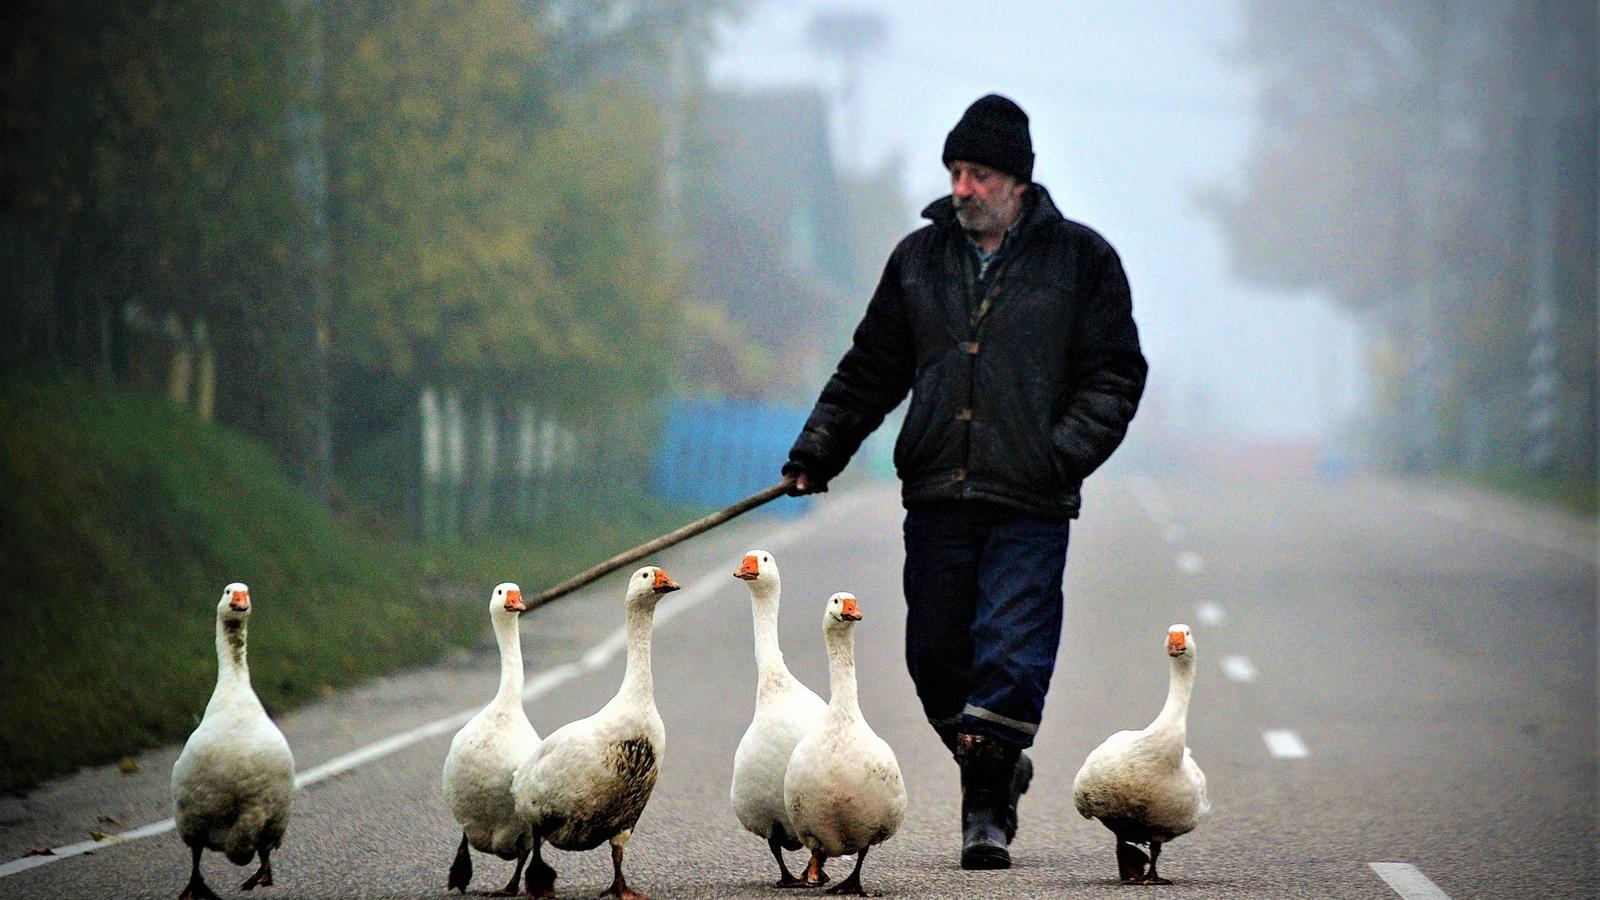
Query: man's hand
{"x": 802, "y": 485}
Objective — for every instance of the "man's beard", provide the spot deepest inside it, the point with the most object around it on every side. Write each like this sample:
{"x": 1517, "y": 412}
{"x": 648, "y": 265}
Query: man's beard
{"x": 982, "y": 218}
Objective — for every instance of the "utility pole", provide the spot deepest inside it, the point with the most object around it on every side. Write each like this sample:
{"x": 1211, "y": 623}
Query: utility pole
{"x": 674, "y": 127}
{"x": 849, "y": 37}
{"x": 1550, "y": 100}
{"x": 1432, "y": 362}
{"x": 307, "y": 128}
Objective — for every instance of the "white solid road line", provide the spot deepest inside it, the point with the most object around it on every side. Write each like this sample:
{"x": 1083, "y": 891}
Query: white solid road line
{"x": 57, "y": 854}
{"x": 1239, "y": 668}
{"x": 1150, "y": 498}
{"x": 1407, "y": 881}
{"x": 1285, "y": 744}
{"x": 301, "y": 780}
{"x": 596, "y": 657}
{"x": 1547, "y": 538}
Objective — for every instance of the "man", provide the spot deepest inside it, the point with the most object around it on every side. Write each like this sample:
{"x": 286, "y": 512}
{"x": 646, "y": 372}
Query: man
{"x": 1012, "y": 329}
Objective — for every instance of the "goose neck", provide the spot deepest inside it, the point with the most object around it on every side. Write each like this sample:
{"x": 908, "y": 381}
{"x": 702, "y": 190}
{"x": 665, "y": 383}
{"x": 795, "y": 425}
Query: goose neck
{"x": 232, "y": 661}
{"x": 233, "y": 667}
{"x": 1175, "y": 712}
{"x": 842, "y": 673}
{"x": 636, "y": 679}
{"x": 769, "y": 657}
{"x": 509, "y": 638}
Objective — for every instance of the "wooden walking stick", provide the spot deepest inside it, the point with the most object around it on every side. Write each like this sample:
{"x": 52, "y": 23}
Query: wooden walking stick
{"x": 663, "y": 542}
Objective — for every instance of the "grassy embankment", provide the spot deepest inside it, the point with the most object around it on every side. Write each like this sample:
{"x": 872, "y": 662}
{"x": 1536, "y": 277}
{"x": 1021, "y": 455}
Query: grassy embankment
{"x": 122, "y": 518}
{"x": 1575, "y": 495}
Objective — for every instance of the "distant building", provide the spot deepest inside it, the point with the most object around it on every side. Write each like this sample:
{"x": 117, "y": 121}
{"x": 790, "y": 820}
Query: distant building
{"x": 770, "y": 229}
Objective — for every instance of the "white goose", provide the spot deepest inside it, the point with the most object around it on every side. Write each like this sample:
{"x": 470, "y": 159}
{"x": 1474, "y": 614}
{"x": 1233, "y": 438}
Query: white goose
{"x": 1145, "y": 785}
{"x": 843, "y": 789}
{"x": 588, "y": 782}
{"x": 786, "y": 711}
{"x": 484, "y": 754}
{"x": 233, "y": 782}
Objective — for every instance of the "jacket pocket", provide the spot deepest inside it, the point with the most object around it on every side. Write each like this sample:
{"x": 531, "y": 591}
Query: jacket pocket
{"x": 1013, "y": 442}
{"x": 925, "y": 436}
{"x": 911, "y": 448}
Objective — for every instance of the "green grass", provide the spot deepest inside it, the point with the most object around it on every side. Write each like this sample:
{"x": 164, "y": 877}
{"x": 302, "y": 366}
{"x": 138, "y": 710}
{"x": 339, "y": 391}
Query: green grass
{"x": 122, "y": 518}
{"x": 1573, "y": 494}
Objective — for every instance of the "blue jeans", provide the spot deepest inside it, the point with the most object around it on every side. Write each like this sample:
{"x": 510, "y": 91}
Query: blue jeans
{"x": 983, "y": 616}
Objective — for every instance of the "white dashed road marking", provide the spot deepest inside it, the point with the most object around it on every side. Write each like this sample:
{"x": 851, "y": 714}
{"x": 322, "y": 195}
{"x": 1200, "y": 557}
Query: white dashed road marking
{"x": 1407, "y": 881}
{"x": 1285, "y": 744}
{"x": 1239, "y": 668}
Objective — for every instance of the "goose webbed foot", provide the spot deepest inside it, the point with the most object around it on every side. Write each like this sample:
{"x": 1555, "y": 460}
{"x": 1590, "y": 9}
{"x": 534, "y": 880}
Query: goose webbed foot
{"x": 263, "y": 875}
{"x": 786, "y": 879}
{"x": 619, "y": 885}
{"x": 1151, "y": 877}
{"x": 510, "y": 890}
{"x": 814, "y": 876}
{"x": 540, "y": 882}
{"x": 460, "y": 869}
{"x": 196, "y": 889}
{"x": 852, "y": 884}
{"x": 1130, "y": 863}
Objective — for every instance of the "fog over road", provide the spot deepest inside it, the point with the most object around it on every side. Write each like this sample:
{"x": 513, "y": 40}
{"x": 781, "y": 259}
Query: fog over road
{"x": 1389, "y": 672}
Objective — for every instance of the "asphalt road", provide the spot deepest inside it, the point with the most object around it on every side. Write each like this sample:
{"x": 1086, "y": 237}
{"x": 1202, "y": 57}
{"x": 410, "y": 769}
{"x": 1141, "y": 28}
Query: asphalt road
{"x": 1389, "y": 673}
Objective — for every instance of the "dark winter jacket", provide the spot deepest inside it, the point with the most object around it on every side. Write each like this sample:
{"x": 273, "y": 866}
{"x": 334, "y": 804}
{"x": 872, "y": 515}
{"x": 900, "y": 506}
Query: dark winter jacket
{"x": 1016, "y": 409}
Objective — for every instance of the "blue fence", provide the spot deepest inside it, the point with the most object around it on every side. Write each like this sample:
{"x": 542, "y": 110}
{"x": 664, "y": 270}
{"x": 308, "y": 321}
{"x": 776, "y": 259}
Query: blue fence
{"x": 485, "y": 464}
{"x": 714, "y": 452}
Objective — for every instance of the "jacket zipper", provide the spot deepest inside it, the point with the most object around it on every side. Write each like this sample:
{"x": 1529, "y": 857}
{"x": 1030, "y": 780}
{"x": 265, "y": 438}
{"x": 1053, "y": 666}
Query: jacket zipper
{"x": 973, "y": 347}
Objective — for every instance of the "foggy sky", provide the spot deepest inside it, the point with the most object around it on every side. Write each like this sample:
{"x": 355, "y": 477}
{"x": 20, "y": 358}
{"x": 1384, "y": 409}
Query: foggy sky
{"x": 1134, "y": 108}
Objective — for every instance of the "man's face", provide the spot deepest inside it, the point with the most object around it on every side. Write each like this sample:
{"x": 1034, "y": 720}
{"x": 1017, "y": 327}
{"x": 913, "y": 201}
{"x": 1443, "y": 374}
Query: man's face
{"x": 987, "y": 202}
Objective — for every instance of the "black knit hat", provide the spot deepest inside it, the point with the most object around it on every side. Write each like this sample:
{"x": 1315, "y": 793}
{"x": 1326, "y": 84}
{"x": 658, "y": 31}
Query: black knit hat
{"x": 993, "y": 132}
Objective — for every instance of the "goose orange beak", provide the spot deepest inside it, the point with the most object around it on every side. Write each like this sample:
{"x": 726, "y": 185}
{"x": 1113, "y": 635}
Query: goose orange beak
{"x": 664, "y": 582}
{"x": 749, "y": 569}
{"x": 1176, "y": 643}
{"x": 851, "y": 611}
{"x": 514, "y": 602}
{"x": 240, "y": 601}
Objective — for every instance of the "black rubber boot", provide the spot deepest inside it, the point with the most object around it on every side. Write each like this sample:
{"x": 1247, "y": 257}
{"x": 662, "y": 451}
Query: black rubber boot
{"x": 988, "y": 770}
{"x": 1021, "y": 777}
